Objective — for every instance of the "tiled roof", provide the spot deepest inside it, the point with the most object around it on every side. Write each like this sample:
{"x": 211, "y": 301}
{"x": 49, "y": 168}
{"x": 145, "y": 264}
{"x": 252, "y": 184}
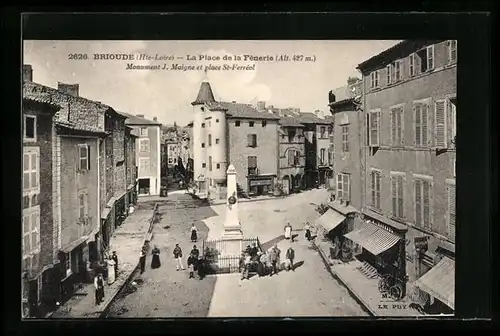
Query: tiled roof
{"x": 239, "y": 110}
{"x": 311, "y": 118}
{"x": 135, "y": 120}
{"x": 38, "y": 93}
{"x": 290, "y": 122}
{"x": 205, "y": 95}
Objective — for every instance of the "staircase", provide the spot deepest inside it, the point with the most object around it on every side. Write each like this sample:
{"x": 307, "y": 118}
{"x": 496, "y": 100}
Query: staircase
{"x": 241, "y": 193}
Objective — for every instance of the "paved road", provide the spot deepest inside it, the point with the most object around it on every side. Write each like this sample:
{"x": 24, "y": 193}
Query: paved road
{"x": 309, "y": 291}
{"x": 164, "y": 292}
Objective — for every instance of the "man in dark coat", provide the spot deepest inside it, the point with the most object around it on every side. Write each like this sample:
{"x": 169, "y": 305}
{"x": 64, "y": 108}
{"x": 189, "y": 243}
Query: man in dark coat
{"x": 114, "y": 257}
{"x": 142, "y": 259}
{"x": 290, "y": 256}
{"x": 274, "y": 256}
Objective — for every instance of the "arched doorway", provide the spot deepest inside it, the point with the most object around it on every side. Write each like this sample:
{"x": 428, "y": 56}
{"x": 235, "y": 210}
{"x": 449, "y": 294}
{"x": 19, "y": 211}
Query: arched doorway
{"x": 286, "y": 184}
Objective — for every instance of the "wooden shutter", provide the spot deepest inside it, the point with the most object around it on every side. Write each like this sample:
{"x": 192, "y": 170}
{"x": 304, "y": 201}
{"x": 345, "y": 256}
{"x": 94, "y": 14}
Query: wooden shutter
{"x": 418, "y": 124}
{"x": 88, "y": 156}
{"x": 418, "y": 202}
{"x": 440, "y": 124}
{"x": 340, "y": 186}
{"x": 374, "y": 129}
{"x": 425, "y": 124}
{"x": 451, "y": 211}
{"x": 399, "y": 126}
{"x": 373, "y": 186}
{"x": 400, "y": 200}
{"x": 394, "y": 193}
{"x": 378, "y": 177}
{"x": 393, "y": 127}
{"x": 426, "y": 200}
{"x": 252, "y": 162}
{"x": 345, "y": 187}
{"x": 249, "y": 140}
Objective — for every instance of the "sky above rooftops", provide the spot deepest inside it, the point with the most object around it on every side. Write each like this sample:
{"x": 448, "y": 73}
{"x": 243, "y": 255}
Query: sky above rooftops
{"x": 167, "y": 95}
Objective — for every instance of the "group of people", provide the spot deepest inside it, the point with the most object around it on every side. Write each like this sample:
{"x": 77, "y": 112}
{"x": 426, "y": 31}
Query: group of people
{"x": 268, "y": 263}
{"x": 99, "y": 280}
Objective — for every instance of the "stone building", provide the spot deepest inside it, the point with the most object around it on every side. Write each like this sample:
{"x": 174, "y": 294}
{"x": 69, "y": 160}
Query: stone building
{"x": 131, "y": 165}
{"x": 240, "y": 134}
{"x": 409, "y": 156}
{"x": 148, "y": 152}
{"x": 39, "y": 234}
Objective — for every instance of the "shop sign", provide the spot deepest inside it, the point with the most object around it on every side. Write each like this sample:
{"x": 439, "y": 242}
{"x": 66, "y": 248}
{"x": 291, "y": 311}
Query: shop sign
{"x": 260, "y": 182}
{"x": 421, "y": 244}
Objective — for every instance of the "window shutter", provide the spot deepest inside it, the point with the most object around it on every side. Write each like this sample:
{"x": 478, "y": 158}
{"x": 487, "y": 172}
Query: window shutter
{"x": 425, "y": 125}
{"x": 378, "y": 178}
{"x": 88, "y": 156}
{"x": 379, "y": 121}
{"x": 440, "y": 124}
{"x": 400, "y": 200}
{"x": 348, "y": 189}
{"x": 340, "y": 193}
{"x": 393, "y": 127}
{"x": 249, "y": 140}
{"x": 451, "y": 211}
{"x": 416, "y": 124}
{"x": 78, "y": 160}
{"x": 394, "y": 194}
{"x": 372, "y": 175}
{"x": 399, "y": 126}
{"x": 345, "y": 186}
{"x": 418, "y": 202}
{"x": 426, "y": 203}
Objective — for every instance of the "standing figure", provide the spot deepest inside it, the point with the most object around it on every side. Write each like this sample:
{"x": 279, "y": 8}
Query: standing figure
{"x": 191, "y": 261}
{"x": 261, "y": 264}
{"x": 253, "y": 251}
{"x": 99, "y": 288}
{"x": 194, "y": 234}
{"x": 288, "y": 231}
{"x": 246, "y": 266}
{"x": 307, "y": 230}
{"x": 201, "y": 267}
{"x": 195, "y": 252}
{"x": 114, "y": 257}
{"x": 155, "y": 261}
{"x": 290, "y": 256}
{"x": 274, "y": 256}
{"x": 142, "y": 259}
{"x": 178, "y": 257}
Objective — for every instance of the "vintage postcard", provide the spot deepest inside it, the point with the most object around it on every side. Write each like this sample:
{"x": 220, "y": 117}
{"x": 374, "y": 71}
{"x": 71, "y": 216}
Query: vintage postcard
{"x": 225, "y": 178}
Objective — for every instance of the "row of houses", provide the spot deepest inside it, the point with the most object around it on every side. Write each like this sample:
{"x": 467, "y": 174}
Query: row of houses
{"x": 79, "y": 179}
{"x": 274, "y": 150}
{"x": 394, "y": 154}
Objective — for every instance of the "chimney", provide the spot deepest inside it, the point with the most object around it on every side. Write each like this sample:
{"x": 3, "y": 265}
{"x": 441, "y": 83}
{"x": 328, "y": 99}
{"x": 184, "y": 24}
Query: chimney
{"x": 27, "y": 73}
{"x": 70, "y": 89}
{"x": 261, "y": 106}
{"x": 319, "y": 114}
{"x": 155, "y": 119}
{"x": 140, "y": 115}
{"x": 234, "y": 102}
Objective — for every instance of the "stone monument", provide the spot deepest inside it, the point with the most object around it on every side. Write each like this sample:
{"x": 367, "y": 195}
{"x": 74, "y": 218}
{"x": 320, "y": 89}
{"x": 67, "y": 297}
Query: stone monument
{"x": 233, "y": 234}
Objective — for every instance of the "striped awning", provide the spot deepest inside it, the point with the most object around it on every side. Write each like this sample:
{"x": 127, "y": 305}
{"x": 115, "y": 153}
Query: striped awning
{"x": 330, "y": 220}
{"x": 439, "y": 282}
{"x": 373, "y": 238}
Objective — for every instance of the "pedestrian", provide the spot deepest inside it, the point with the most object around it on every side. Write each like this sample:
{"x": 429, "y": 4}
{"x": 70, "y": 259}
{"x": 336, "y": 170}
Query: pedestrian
{"x": 155, "y": 261}
{"x": 142, "y": 259}
{"x": 290, "y": 256}
{"x": 288, "y": 231}
{"x": 194, "y": 234}
{"x": 178, "y": 257}
{"x": 261, "y": 264}
{"x": 114, "y": 257}
{"x": 191, "y": 263}
{"x": 195, "y": 252}
{"x": 201, "y": 267}
{"x": 307, "y": 229}
{"x": 253, "y": 251}
{"x": 247, "y": 259}
{"x": 274, "y": 256}
{"x": 99, "y": 288}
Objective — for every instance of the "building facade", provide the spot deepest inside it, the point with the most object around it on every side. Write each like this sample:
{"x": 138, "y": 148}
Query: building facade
{"x": 292, "y": 154}
{"x": 409, "y": 157}
{"x": 131, "y": 165}
{"x": 148, "y": 153}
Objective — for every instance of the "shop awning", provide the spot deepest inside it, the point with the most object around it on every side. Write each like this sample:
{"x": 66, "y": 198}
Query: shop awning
{"x": 105, "y": 213}
{"x": 439, "y": 282}
{"x": 330, "y": 219}
{"x": 373, "y": 238}
{"x": 74, "y": 244}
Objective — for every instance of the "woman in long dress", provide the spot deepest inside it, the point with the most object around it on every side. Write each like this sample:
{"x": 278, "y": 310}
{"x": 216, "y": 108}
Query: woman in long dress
{"x": 194, "y": 234}
{"x": 307, "y": 229}
{"x": 288, "y": 231}
{"x": 155, "y": 262}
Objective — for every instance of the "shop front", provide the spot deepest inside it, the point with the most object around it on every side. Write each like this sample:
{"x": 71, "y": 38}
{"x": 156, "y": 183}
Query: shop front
{"x": 382, "y": 252}
{"x": 73, "y": 267}
{"x": 260, "y": 185}
{"x": 120, "y": 209}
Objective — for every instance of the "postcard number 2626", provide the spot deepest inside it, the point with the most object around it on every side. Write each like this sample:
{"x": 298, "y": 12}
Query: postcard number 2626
{"x": 77, "y": 56}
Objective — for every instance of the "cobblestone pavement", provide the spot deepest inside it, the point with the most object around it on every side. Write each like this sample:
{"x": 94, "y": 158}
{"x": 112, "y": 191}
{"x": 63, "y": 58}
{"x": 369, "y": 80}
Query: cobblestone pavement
{"x": 309, "y": 291}
{"x": 165, "y": 292}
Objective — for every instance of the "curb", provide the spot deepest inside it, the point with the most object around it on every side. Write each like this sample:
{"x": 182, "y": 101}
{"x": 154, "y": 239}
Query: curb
{"x": 146, "y": 240}
{"x": 359, "y": 300}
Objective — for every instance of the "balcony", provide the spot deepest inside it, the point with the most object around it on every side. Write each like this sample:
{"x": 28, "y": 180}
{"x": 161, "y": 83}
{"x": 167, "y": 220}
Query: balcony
{"x": 253, "y": 171}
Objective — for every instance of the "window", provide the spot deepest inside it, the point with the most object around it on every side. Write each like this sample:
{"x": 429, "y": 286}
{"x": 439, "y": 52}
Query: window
{"x": 264, "y": 123}
{"x": 452, "y": 51}
{"x": 330, "y": 157}
{"x": 216, "y": 141}
{"x": 423, "y": 189}
{"x": 374, "y": 79}
{"x": 31, "y": 230}
{"x": 397, "y": 71}
{"x": 411, "y": 65}
{"x": 397, "y": 192}
{"x": 322, "y": 156}
{"x": 452, "y": 115}
{"x": 210, "y": 163}
{"x": 375, "y": 177}
{"x": 250, "y": 123}
{"x": 426, "y": 56}
{"x": 430, "y": 57}
{"x": 67, "y": 263}
{"x": 31, "y": 170}
{"x": 389, "y": 74}
{"x": 83, "y": 157}
{"x": 291, "y": 134}
{"x": 421, "y": 124}
{"x": 345, "y": 138}
{"x": 323, "y": 132}
{"x": 202, "y": 125}
{"x": 252, "y": 140}
{"x": 252, "y": 165}
{"x": 296, "y": 158}
{"x": 210, "y": 140}
{"x": 440, "y": 124}
{"x": 202, "y": 145}
{"x": 293, "y": 158}
{"x": 237, "y": 123}
{"x": 82, "y": 204}
{"x": 144, "y": 164}
{"x": 397, "y": 126}
{"x": 203, "y": 165}
{"x": 374, "y": 122}
{"x": 216, "y": 120}
{"x": 217, "y": 166}
{"x": 343, "y": 187}
{"x": 330, "y": 130}
{"x": 144, "y": 145}
{"x": 29, "y": 128}
{"x": 144, "y": 131}
{"x": 451, "y": 211}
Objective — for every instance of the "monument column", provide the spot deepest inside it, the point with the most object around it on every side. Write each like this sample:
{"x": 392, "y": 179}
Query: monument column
{"x": 233, "y": 233}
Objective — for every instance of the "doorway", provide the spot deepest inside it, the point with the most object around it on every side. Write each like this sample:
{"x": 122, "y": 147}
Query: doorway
{"x": 144, "y": 186}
